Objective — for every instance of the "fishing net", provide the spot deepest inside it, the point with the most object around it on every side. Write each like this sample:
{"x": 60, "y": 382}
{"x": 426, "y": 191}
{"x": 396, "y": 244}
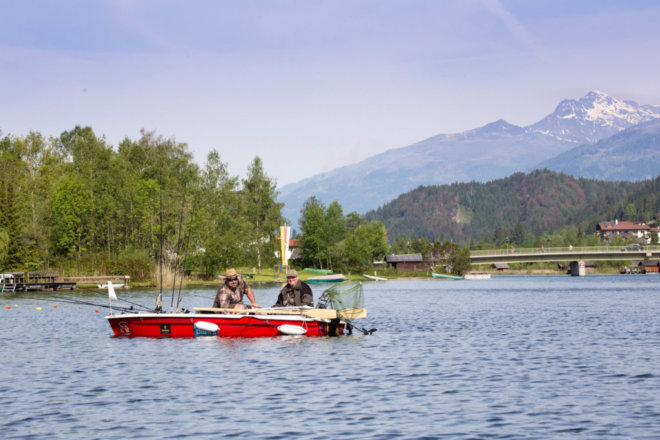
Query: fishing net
{"x": 346, "y": 298}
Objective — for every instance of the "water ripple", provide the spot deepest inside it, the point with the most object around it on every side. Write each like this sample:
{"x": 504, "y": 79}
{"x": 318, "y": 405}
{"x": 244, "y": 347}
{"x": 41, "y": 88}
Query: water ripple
{"x": 512, "y": 358}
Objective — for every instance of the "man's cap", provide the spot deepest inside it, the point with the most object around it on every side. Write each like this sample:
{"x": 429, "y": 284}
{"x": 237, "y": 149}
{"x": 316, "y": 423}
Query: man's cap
{"x": 231, "y": 273}
{"x": 291, "y": 273}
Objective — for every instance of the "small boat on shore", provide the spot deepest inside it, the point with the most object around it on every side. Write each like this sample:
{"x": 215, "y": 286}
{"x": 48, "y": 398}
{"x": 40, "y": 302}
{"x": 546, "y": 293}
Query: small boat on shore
{"x": 336, "y": 278}
{"x": 374, "y": 277}
{"x": 476, "y": 276}
{"x": 445, "y": 276}
{"x": 317, "y": 271}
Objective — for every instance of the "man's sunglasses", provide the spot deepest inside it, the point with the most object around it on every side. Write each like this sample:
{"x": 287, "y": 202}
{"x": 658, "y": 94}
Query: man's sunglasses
{"x": 232, "y": 279}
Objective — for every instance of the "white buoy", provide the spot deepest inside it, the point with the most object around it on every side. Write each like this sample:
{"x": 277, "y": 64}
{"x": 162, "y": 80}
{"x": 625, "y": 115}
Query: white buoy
{"x": 288, "y": 329}
{"x": 207, "y": 326}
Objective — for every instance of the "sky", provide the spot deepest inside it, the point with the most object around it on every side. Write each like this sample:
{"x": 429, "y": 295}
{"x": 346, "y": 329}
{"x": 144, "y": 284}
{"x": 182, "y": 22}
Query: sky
{"x": 312, "y": 85}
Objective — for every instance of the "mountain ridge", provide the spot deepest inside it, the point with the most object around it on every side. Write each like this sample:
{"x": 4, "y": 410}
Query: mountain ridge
{"x": 542, "y": 201}
{"x": 492, "y": 151}
{"x": 632, "y": 155}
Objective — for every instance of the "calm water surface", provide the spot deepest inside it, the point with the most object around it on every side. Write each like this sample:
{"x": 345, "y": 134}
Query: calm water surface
{"x": 512, "y": 357}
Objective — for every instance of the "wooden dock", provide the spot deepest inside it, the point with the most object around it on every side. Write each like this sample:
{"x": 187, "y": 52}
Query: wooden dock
{"x": 34, "y": 281}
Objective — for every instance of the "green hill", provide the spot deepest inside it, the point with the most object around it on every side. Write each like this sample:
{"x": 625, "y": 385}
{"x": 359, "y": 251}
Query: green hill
{"x": 542, "y": 201}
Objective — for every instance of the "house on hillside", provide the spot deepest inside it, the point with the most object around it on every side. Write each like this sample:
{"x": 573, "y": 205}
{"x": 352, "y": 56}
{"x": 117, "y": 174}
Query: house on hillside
{"x": 407, "y": 262}
{"x": 641, "y": 232}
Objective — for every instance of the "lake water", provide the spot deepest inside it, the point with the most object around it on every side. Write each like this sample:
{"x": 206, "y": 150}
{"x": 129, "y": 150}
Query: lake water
{"x": 543, "y": 357}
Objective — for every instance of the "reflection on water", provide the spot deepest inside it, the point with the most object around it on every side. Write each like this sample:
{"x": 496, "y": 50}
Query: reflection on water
{"x": 511, "y": 357}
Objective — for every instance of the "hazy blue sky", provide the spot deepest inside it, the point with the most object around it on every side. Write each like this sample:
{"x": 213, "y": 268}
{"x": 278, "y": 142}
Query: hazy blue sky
{"x": 313, "y": 85}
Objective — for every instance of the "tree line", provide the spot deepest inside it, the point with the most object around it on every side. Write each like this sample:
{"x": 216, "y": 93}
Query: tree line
{"x": 77, "y": 205}
{"x": 329, "y": 239}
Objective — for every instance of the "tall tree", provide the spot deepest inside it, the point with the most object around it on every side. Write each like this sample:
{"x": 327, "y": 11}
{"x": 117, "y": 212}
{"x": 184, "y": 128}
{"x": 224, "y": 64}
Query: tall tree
{"x": 72, "y": 206}
{"x": 367, "y": 243}
{"x": 518, "y": 234}
{"x": 218, "y": 217}
{"x": 312, "y": 225}
{"x": 12, "y": 214}
{"x": 335, "y": 232}
{"x": 4, "y": 245}
{"x": 451, "y": 257}
{"x": 262, "y": 211}
{"x": 353, "y": 220}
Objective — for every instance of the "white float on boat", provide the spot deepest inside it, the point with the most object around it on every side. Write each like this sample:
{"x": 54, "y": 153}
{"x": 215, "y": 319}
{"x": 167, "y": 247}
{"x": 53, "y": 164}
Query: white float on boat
{"x": 288, "y": 329}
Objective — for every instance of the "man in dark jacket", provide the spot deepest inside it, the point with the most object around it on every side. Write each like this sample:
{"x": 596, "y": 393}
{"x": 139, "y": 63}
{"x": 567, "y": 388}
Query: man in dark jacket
{"x": 295, "y": 293}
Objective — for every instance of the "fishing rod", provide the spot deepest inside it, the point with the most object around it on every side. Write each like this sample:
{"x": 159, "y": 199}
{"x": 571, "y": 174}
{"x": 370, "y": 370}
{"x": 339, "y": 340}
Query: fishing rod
{"x": 182, "y": 241}
{"x": 134, "y": 303}
{"x": 160, "y": 238}
{"x": 142, "y": 306}
{"x": 87, "y": 303}
{"x": 185, "y": 257}
{"x": 178, "y": 247}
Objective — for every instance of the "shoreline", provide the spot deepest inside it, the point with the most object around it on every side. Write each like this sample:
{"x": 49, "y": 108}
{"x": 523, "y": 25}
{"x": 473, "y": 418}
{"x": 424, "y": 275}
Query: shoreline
{"x": 402, "y": 277}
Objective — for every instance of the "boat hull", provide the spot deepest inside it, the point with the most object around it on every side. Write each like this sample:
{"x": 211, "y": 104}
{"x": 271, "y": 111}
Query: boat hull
{"x": 445, "y": 277}
{"x": 374, "y": 278}
{"x": 180, "y": 325}
{"x": 476, "y": 276}
{"x": 337, "y": 278}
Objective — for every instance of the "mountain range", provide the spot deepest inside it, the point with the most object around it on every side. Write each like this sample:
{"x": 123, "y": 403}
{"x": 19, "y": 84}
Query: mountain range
{"x": 579, "y": 137}
{"x": 632, "y": 155}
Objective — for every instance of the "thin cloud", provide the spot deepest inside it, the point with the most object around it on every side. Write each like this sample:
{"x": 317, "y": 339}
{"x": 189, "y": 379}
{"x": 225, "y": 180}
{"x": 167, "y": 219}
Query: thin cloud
{"x": 517, "y": 29}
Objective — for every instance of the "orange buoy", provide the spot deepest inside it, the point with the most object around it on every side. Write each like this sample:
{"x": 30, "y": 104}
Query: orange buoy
{"x": 7, "y": 307}
{"x": 96, "y": 310}
{"x": 54, "y": 306}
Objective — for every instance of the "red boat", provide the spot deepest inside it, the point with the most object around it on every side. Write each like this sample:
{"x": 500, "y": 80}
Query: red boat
{"x": 231, "y": 323}
{"x": 246, "y": 323}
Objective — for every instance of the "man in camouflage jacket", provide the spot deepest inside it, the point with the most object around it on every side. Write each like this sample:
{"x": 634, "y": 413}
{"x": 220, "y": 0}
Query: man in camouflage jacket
{"x": 230, "y": 294}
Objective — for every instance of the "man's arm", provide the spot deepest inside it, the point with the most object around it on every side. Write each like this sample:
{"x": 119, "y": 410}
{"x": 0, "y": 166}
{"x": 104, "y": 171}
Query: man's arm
{"x": 250, "y": 295}
{"x": 307, "y": 298}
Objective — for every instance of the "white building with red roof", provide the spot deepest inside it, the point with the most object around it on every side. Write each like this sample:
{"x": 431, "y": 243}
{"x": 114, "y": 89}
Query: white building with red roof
{"x": 642, "y": 232}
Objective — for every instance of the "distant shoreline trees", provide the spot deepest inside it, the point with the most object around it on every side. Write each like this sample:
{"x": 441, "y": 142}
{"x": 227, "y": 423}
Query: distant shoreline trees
{"x": 76, "y": 204}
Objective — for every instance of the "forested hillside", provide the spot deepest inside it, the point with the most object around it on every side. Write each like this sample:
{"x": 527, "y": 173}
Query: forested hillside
{"x": 542, "y": 202}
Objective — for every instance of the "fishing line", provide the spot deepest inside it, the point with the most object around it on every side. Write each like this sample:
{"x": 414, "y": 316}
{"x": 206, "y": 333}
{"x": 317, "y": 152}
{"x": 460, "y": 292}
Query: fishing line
{"x": 179, "y": 242}
{"x": 87, "y": 303}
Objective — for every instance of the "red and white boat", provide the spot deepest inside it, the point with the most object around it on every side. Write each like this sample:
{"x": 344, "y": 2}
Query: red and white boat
{"x": 249, "y": 323}
{"x": 245, "y": 323}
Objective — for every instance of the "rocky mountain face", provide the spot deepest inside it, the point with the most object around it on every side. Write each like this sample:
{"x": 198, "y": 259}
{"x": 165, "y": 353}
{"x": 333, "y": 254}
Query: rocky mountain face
{"x": 490, "y": 152}
{"x": 631, "y": 155}
{"x": 593, "y": 117}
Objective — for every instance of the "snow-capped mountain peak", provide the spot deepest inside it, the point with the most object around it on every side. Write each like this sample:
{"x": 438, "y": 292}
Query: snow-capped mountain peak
{"x": 593, "y": 117}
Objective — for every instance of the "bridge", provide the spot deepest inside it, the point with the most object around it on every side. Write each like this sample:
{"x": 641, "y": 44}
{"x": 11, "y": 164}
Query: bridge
{"x": 561, "y": 254}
